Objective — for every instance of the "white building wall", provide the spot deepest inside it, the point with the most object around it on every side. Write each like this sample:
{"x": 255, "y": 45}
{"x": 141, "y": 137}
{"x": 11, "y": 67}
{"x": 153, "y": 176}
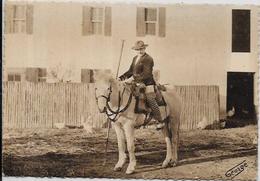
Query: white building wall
{"x": 195, "y": 51}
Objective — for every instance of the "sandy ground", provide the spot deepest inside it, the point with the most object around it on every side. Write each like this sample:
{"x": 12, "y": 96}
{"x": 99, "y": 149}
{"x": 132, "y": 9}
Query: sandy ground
{"x": 206, "y": 154}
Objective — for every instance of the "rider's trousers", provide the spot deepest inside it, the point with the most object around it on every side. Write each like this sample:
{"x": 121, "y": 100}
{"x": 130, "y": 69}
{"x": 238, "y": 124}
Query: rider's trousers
{"x": 152, "y": 103}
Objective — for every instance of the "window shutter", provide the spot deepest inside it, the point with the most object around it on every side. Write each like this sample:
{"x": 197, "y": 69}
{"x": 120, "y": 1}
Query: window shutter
{"x": 108, "y": 20}
{"x": 29, "y": 19}
{"x": 10, "y": 77}
{"x": 86, "y": 24}
{"x": 42, "y": 74}
{"x": 9, "y": 15}
{"x": 31, "y": 74}
{"x": 162, "y": 22}
{"x": 91, "y": 75}
{"x": 85, "y": 75}
{"x": 140, "y": 22}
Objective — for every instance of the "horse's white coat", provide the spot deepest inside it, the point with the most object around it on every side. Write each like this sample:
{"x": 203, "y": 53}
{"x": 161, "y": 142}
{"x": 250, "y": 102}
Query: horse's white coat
{"x": 125, "y": 128}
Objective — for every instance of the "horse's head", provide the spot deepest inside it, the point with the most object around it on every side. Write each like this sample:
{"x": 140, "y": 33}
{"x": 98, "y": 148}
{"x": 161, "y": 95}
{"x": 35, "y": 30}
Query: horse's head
{"x": 102, "y": 94}
{"x": 105, "y": 90}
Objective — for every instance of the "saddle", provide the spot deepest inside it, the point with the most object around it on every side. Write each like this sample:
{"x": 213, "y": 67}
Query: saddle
{"x": 141, "y": 106}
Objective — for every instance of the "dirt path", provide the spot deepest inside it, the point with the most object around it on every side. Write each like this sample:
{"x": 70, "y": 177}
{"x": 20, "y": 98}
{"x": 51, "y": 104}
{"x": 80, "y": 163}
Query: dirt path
{"x": 206, "y": 154}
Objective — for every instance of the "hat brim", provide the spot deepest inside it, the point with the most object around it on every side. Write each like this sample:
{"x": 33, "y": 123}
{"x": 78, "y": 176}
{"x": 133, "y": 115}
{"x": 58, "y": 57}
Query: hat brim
{"x": 139, "y": 48}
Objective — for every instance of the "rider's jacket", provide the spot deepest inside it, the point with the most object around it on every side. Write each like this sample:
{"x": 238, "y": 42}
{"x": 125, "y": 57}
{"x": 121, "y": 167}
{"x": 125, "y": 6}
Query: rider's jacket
{"x": 142, "y": 70}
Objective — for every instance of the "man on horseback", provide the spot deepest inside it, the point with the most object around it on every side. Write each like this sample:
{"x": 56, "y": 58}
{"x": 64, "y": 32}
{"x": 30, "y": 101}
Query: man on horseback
{"x": 141, "y": 70}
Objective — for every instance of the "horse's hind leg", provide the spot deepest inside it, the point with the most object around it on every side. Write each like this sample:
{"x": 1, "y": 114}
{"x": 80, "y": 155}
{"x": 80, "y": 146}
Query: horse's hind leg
{"x": 121, "y": 141}
{"x": 167, "y": 137}
{"x": 174, "y": 130}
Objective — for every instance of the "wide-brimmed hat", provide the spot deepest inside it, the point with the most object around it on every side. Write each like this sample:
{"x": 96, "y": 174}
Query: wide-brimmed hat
{"x": 139, "y": 45}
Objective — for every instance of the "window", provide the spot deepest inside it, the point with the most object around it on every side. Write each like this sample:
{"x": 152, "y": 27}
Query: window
{"x": 96, "y": 21}
{"x": 87, "y": 76}
{"x": 92, "y": 75}
{"x": 42, "y": 74}
{"x": 240, "y": 30}
{"x": 14, "y": 77}
{"x": 151, "y": 21}
{"x": 19, "y": 19}
{"x": 36, "y": 74}
{"x": 15, "y": 74}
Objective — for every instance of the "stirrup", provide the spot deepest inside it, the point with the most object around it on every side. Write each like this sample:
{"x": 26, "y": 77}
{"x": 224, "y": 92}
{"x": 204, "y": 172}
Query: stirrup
{"x": 159, "y": 126}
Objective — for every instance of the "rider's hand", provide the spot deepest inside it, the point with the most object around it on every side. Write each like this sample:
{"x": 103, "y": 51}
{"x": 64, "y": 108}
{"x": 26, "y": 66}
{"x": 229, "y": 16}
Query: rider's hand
{"x": 126, "y": 82}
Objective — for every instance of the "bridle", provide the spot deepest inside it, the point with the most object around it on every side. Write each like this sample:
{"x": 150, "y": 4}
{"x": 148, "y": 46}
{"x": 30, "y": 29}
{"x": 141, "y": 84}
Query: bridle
{"x": 110, "y": 113}
{"x": 107, "y": 98}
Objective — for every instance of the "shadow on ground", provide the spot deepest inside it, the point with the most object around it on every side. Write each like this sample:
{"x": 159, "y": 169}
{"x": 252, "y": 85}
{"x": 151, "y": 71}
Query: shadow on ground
{"x": 91, "y": 165}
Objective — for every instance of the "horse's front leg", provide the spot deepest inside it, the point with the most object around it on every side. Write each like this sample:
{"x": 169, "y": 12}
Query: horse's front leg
{"x": 121, "y": 146}
{"x": 129, "y": 133}
{"x": 167, "y": 138}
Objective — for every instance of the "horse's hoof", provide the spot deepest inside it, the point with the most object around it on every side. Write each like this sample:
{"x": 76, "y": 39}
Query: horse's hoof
{"x": 128, "y": 172}
{"x": 173, "y": 163}
{"x": 165, "y": 165}
{"x": 117, "y": 169}
{"x": 169, "y": 164}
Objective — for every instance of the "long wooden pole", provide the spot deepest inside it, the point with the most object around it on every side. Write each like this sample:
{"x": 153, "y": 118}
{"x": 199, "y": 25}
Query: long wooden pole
{"x": 108, "y": 120}
{"x": 120, "y": 57}
{"x": 107, "y": 139}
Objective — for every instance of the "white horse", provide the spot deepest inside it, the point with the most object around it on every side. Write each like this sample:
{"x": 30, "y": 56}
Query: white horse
{"x": 127, "y": 121}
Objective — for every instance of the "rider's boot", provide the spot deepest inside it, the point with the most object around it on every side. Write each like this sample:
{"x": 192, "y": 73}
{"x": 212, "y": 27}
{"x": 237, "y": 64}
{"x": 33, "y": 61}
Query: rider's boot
{"x": 160, "y": 126}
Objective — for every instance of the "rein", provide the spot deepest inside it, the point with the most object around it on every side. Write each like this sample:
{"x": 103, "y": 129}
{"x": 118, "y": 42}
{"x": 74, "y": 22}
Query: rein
{"x": 113, "y": 114}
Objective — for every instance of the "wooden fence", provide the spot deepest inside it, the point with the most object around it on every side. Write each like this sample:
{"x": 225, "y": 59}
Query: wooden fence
{"x": 28, "y": 105}
{"x": 199, "y": 103}
{"x": 31, "y": 105}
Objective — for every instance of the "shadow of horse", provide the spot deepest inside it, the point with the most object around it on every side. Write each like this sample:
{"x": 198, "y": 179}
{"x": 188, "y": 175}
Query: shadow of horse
{"x": 189, "y": 159}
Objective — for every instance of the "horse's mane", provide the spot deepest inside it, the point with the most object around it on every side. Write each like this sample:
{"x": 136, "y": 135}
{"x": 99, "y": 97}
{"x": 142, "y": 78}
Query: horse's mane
{"x": 105, "y": 79}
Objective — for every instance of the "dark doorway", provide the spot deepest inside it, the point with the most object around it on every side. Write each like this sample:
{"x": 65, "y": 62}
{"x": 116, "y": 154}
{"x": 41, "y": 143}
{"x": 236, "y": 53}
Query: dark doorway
{"x": 240, "y": 94}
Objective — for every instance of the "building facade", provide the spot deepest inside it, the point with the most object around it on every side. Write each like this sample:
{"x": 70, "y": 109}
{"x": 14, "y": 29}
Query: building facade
{"x": 190, "y": 44}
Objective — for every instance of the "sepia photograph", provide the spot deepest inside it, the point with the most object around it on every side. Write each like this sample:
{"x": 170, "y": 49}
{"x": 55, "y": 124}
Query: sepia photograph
{"x": 130, "y": 90}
